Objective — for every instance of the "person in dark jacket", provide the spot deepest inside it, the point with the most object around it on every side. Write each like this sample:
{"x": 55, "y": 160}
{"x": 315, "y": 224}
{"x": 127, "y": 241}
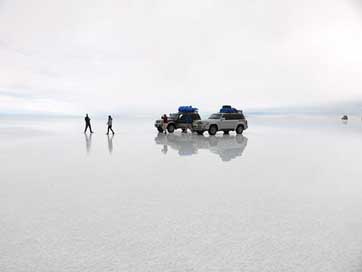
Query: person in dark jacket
{"x": 109, "y": 124}
{"x": 165, "y": 123}
{"x": 188, "y": 123}
{"x": 87, "y": 124}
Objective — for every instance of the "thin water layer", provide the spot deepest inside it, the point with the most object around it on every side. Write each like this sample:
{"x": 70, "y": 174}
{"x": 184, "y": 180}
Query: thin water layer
{"x": 285, "y": 196}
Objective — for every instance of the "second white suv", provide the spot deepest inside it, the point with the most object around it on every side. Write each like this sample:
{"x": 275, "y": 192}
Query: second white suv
{"x": 222, "y": 122}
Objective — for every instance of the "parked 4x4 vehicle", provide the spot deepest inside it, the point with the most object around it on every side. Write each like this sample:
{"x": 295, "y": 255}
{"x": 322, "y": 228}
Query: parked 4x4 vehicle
{"x": 181, "y": 120}
{"x": 223, "y": 121}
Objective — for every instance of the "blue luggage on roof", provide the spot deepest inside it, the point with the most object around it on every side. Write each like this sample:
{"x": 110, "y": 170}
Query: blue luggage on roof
{"x": 228, "y": 109}
{"x": 187, "y": 109}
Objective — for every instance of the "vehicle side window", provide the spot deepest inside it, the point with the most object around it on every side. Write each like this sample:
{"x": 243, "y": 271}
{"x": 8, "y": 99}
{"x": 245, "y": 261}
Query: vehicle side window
{"x": 229, "y": 116}
{"x": 238, "y": 116}
{"x": 233, "y": 116}
{"x": 182, "y": 118}
{"x": 195, "y": 117}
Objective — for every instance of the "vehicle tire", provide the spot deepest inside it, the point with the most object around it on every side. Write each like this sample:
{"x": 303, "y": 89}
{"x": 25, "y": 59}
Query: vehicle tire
{"x": 171, "y": 128}
{"x": 160, "y": 129}
{"x": 226, "y": 132}
{"x": 200, "y": 132}
{"x": 239, "y": 129}
{"x": 212, "y": 130}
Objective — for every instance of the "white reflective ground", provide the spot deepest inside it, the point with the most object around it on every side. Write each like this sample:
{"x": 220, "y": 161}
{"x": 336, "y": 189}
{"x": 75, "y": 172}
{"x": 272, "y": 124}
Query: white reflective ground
{"x": 286, "y": 196}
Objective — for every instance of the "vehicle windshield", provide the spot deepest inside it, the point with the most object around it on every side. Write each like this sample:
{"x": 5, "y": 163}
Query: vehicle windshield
{"x": 215, "y": 116}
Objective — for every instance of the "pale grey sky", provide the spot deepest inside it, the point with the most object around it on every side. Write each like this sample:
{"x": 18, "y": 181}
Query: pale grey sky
{"x": 73, "y": 56}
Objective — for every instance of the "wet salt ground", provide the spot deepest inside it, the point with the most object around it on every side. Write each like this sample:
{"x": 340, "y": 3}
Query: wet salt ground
{"x": 286, "y": 196}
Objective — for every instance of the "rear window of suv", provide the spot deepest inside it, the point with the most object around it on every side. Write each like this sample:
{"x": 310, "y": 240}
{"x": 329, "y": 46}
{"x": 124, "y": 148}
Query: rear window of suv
{"x": 196, "y": 116}
{"x": 233, "y": 116}
{"x": 188, "y": 117}
{"x": 215, "y": 116}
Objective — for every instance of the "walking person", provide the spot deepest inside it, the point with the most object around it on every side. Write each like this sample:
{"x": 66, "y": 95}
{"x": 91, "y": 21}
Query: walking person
{"x": 165, "y": 123}
{"x": 109, "y": 123}
{"x": 87, "y": 124}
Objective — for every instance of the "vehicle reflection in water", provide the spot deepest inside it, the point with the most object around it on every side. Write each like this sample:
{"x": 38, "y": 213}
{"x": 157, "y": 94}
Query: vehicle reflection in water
{"x": 228, "y": 147}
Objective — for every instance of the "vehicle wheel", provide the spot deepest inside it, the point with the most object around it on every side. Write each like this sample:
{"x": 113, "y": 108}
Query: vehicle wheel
{"x": 212, "y": 130}
{"x": 160, "y": 129}
{"x": 226, "y": 132}
{"x": 200, "y": 132}
{"x": 239, "y": 129}
{"x": 171, "y": 128}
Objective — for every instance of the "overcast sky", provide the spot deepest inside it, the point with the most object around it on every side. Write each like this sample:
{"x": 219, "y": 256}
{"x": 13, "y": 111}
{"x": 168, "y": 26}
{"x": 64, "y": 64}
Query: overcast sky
{"x": 73, "y": 56}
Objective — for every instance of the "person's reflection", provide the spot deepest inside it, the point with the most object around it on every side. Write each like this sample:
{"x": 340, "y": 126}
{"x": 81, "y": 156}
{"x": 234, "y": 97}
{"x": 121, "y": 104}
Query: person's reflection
{"x": 110, "y": 143}
{"x": 163, "y": 140}
{"x": 88, "y": 142}
{"x": 164, "y": 150}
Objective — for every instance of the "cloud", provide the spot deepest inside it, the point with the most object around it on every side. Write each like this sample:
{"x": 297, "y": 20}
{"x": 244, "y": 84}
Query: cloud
{"x": 18, "y": 104}
{"x": 112, "y": 55}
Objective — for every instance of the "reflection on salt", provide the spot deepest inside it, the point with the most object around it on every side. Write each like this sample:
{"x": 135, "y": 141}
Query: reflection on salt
{"x": 88, "y": 142}
{"x": 110, "y": 143}
{"x": 228, "y": 147}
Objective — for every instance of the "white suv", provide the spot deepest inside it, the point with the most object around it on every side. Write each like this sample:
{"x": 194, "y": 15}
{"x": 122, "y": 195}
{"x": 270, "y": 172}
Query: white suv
{"x": 222, "y": 122}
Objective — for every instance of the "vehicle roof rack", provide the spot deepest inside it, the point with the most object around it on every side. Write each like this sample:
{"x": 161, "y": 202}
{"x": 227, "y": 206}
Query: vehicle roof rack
{"x": 228, "y": 109}
{"x": 187, "y": 109}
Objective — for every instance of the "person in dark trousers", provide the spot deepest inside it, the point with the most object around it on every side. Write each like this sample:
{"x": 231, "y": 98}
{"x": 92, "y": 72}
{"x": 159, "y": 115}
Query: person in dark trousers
{"x": 87, "y": 124}
{"x": 188, "y": 120}
{"x": 165, "y": 122}
{"x": 109, "y": 123}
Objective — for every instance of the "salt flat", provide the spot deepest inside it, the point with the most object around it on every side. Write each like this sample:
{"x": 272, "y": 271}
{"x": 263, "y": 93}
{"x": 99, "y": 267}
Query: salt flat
{"x": 286, "y": 196}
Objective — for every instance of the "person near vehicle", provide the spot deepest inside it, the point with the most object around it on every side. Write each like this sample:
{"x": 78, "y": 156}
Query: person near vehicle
{"x": 87, "y": 124}
{"x": 109, "y": 124}
{"x": 164, "y": 123}
{"x": 188, "y": 125}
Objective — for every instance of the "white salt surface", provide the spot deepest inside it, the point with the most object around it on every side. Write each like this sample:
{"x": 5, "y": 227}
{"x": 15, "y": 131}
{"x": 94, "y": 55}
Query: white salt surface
{"x": 285, "y": 197}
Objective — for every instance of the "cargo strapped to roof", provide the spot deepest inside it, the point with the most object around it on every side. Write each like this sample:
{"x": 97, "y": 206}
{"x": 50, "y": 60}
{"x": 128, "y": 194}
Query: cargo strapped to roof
{"x": 228, "y": 109}
{"x": 185, "y": 109}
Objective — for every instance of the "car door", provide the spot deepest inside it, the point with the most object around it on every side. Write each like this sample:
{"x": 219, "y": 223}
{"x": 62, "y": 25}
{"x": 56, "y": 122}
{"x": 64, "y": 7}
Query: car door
{"x": 181, "y": 121}
{"x": 228, "y": 122}
{"x": 238, "y": 119}
{"x": 195, "y": 117}
{"x": 223, "y": 122}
